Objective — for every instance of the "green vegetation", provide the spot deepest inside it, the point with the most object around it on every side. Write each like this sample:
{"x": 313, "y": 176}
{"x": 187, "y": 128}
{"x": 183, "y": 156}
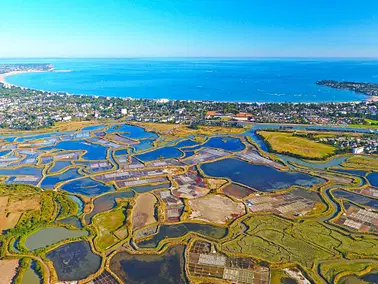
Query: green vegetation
{"x": 368, "y": 123}
{"x": 49, "y": 208}
{"x": 291, "y": 144}
{"x": 24, "y": 265}
{"x": 107, "y": 223}
{"x": 361, "y": 162}
{"x": 278, "y": 240}
{"x": 68, "y": 207}
{"x": 333, "y": 270}
{"x": 15, "y": 189}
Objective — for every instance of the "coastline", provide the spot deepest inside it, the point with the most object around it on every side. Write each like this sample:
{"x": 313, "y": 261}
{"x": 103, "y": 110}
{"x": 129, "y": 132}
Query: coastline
{"x": 3, "y": 77}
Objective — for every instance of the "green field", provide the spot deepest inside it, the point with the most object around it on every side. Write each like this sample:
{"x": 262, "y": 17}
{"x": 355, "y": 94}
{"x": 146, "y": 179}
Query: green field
{"x": 287, "y": 143}
{"x": 107, "y": 223}
{"x": 332, "y": 269}
{"x": 361, "y": 162}
{"x": 278, "y": 240}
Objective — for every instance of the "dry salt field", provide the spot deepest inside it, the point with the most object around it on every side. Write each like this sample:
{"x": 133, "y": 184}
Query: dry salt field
{"x": 107, "y": 203}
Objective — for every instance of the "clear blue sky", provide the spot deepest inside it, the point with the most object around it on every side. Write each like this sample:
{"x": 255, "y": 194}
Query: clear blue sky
{"x": 143, "y": 28}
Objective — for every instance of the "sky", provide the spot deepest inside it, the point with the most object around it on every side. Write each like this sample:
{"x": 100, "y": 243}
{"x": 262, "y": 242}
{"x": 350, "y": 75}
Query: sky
{"x": 189, "y": 28}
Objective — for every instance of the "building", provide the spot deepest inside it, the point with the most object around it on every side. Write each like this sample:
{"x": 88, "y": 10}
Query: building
{"x": 358, "y": 150}
{"x": 242, "y": 116}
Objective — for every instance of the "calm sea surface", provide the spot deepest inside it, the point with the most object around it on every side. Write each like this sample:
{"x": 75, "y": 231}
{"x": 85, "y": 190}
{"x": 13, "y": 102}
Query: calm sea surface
{"x": 249, "y": 80}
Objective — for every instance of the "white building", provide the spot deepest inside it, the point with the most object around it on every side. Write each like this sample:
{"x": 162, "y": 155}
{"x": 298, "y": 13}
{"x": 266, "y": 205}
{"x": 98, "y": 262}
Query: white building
{"x": 358, "y": 150}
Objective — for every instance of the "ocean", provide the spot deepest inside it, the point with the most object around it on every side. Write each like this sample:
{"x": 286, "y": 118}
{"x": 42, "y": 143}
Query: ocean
{"x": 243, "y": 80}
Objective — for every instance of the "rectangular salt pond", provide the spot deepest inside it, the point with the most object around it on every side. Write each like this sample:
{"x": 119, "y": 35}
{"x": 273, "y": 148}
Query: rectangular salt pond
{"x": 356, "y": 198}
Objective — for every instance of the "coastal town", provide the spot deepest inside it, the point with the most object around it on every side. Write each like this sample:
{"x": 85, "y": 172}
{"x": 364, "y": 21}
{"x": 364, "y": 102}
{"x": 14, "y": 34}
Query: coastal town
{"x": 26, "y": 109}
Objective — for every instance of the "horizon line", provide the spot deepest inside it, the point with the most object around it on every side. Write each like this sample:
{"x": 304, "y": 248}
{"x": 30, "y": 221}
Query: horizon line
{"x": 192, "y": 57}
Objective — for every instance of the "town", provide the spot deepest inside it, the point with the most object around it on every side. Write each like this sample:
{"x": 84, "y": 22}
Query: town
{"x": 27, "y": 109}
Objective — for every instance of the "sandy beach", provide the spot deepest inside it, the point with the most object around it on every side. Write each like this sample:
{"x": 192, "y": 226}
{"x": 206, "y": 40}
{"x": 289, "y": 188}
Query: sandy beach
{"x": 4, "y": 76}
{"x": 372, "y": 99}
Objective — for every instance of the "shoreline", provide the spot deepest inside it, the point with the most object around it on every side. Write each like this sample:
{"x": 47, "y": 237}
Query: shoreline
{"x": 3, "y": 76}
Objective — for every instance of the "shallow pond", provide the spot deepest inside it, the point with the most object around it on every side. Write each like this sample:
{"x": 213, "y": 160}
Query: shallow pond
{"x": 167, "y": 268}
{"x": 179, "y": 230}
{"x": 87, "y": 186}
{"x": 373, "y": 178}
{"x": 74, "y": 261}
{"x": 352, "y": 172}
{"x": 31, "y": 171}
{"x": 73, "y": 221}
{"x": 260, "y": 177}
{"x": 188, "y": 154}
{"x": 50, "y": 181}
{"x": 31, "y": 276}
{"x": 161, "y": 153}
{"x": 356, "y": 198}
{"x": 49, "y": 236}
{"x": 121, "y": 152}
{"x": 132, "y": 131}
{"x": 226, "y": 143}
{"x": 106, "y": 202}
{"x": 94, "y": 151}
{"x": 143, "y": 145}
{"x": 60, "y": 165}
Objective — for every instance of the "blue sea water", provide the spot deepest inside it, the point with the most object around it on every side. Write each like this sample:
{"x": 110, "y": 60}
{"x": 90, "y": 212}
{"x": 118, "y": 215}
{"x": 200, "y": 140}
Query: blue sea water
{"x": 248, "y": 80}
